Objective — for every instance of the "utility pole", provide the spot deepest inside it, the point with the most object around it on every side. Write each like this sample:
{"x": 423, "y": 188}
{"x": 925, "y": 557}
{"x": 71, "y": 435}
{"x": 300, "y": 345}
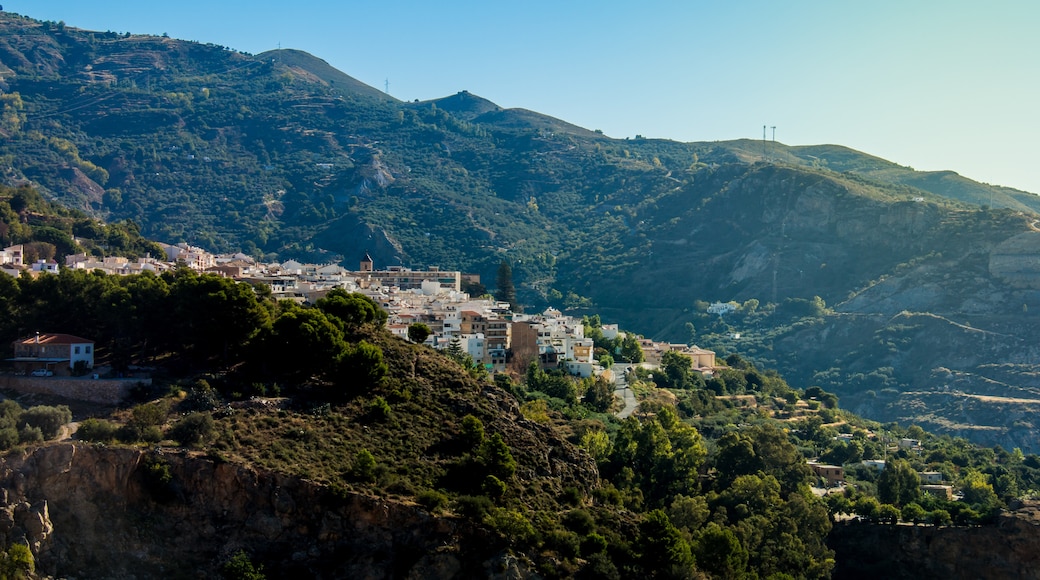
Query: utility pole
{"x": 774, "y": 133}
{"x": 387, "y": 85}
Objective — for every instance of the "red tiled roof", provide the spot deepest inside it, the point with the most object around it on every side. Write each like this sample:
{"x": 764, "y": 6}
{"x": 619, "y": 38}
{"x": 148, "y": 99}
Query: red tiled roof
{"x": 55, "y": 339}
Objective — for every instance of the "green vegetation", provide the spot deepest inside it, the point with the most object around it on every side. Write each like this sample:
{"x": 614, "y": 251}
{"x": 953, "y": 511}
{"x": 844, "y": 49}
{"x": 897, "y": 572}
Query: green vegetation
{"x": 704, "y": 478}
{"x": 47, "y": 231}
{"x": 230, "y": 152}
{"x": 17, "y": 563}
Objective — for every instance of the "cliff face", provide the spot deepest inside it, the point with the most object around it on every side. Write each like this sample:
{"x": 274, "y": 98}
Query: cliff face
{"x": 1009, "y": 549}
{"x": 101, "y": 512}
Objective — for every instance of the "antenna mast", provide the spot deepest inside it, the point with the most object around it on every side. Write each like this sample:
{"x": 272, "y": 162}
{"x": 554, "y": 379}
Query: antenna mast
{"x": 387, "y": 85}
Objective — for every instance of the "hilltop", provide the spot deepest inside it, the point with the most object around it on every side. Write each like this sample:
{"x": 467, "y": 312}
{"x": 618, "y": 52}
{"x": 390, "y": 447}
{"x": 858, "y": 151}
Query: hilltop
{"x": 280, "y": 156}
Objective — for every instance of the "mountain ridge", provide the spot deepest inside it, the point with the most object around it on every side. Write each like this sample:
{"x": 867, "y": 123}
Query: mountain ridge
{"x": 288, "y": 158}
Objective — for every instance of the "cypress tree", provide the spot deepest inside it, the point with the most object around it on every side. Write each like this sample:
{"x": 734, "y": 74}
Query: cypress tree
{"x": 505, "y": 291}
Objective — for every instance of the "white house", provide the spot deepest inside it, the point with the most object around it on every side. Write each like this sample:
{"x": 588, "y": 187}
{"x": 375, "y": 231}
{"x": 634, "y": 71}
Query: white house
{"x": 45, "y": 266}
{"x": 11, "y": 256}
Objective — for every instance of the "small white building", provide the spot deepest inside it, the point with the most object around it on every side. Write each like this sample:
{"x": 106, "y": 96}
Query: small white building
{"x": 45, "y": 266}
{"x": 875, "y": 464}
{"x": 721, "y": 308}
{"x": 11, "y": 256}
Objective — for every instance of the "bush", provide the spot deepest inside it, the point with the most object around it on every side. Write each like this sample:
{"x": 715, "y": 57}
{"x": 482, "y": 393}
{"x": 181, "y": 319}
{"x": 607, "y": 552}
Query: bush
{"x": 157, "y": 477}
{"x": 240, "y": 567}
{"x": 433, "y": 500}
{"x": 494, "y": 487}
{"x": 8, "y": 438}
{"x": 152, "y": 434}
{"x": 97, "y": 430}
{"x": 17, "y": 562}
{"x": 49, "y": 419}
{"x": 30, "y": 434}
{"x": 193, "y": 429}
{"x": 593, "y": 544}
{"x": 201, "y": 397}
{"x": 579, "y": 521}
{"x": 474, "y": 507}
{"x": 364, "y": 467}
{"x": 512, "y": 524}
{"x": 564, "y": 543}
{"x": 144, "y": 423}
{"x": 379, "y": 409}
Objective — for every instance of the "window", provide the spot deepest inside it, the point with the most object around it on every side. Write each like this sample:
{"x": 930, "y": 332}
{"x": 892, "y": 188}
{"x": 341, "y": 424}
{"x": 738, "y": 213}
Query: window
{"x": 75, "y": 349}
{"x": 88, "y": 349}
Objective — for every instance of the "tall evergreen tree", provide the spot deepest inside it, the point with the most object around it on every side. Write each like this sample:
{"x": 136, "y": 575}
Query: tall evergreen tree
{"x": 505, "y": 291}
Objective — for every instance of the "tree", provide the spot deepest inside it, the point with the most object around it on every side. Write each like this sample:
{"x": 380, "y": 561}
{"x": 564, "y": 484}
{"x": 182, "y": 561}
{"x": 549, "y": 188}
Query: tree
{"x": 898, "y": 484}
{"x": 304, "y": 343}
{"x": 677, "y": 370}
{"x": 454, "y": 351}
{"x": 630, "y": 349}
{"x": 600, "y": 395}
{"x": 351, "y": 309}
{"x": 663, "y": 551}
{"x": 493, "y": 453}
{"x": 720, "y": 553}
{"x": 978, "y": 492}
{"x": 418, "y": 332}
{"x": 504, "y": 289}
{"x": 472, "y": 431}
{"x": 214, "y": 315}
{"x": 912, "y": 512}
{"x": 361, "y": 366}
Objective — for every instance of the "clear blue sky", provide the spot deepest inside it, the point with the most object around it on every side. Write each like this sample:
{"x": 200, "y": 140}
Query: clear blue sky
{"x": 932, "y": 84}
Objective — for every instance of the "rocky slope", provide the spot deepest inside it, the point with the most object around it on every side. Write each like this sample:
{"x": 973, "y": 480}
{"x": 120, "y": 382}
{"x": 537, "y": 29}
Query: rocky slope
{"x": 95, "y": 512}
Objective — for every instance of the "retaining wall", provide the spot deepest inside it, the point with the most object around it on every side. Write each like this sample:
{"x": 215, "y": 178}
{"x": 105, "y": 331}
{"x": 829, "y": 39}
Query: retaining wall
{"x": 106, "y": 391}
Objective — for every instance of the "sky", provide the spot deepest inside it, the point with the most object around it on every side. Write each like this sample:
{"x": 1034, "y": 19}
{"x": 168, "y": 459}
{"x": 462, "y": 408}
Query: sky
{"x": 931, "y": 84}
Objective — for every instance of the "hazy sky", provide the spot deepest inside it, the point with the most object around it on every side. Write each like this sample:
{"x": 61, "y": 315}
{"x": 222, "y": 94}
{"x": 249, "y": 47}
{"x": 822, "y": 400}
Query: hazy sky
{"x": 948, "y": 84}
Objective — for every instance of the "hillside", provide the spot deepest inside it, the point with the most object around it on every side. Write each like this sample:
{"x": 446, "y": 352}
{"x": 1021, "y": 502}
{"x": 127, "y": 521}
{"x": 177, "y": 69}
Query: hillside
{"x": 282, "y": 156}
{"x": 309, "y": 441}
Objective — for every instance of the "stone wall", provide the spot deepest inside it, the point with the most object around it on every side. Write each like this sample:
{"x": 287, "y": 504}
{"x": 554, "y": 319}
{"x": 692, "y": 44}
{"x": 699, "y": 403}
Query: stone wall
{"x": 106, "y": 391}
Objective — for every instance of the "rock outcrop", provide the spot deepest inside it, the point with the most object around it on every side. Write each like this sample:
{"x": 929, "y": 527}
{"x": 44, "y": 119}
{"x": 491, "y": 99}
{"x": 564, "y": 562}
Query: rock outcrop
{"x": 1009, "y": 549}
{"x": 106, "y": 512}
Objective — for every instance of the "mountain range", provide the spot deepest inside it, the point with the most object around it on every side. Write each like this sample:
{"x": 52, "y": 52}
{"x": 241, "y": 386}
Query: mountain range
{"x": 911, "y": 295}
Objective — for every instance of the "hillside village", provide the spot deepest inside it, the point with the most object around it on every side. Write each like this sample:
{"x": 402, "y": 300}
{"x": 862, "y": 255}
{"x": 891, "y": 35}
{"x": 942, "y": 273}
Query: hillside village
{"x": 486, "y": 329}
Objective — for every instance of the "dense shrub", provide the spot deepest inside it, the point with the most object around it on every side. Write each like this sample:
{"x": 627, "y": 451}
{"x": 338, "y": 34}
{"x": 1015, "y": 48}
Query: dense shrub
{"x": 30, "y": 434}
{"x": 193, "y": 429}
{"x": 240, "y": 567}
{"x": 49, "y": 419}
{"x": 97, "y": 430}
{"x": 8, "y": 438}
{"x": 433, "y": 500}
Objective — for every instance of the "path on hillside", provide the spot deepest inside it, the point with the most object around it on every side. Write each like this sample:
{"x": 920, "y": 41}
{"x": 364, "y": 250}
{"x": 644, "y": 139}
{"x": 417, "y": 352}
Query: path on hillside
{"x": 984, "y": 398}
{"x": 622, "y": 391}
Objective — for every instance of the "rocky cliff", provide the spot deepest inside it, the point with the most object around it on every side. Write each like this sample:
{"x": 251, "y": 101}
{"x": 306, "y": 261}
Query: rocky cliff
{"x": 97, "y": 512}
{"x": 1009, "y": 549}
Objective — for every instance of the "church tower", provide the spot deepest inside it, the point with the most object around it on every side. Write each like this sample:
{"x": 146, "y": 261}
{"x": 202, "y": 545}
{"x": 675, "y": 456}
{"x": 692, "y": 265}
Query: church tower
{"x": 366, "y": 263}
